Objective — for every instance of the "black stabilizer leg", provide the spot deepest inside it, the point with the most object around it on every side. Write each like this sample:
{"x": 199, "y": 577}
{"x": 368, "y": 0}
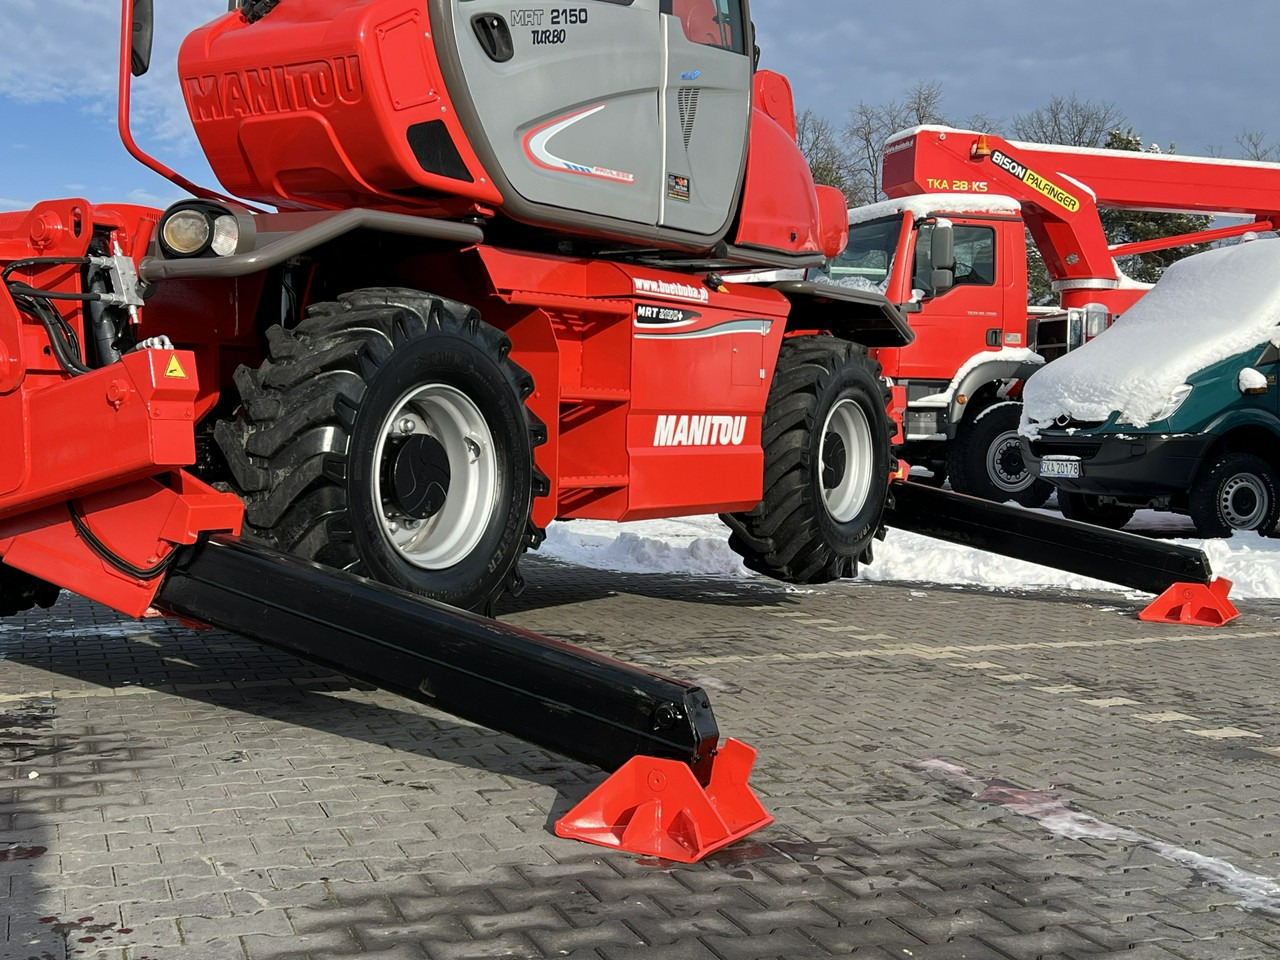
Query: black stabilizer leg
{"x": 580, "y": 704}
{"x": 1111, "y": 555}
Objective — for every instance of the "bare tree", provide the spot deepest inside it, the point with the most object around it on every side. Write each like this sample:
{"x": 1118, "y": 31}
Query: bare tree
{"x": 1254, "y": 145}
{"x": 821, "y": 147}
{"x": 870, "y": 125}
{"x": 1069, "y": 121}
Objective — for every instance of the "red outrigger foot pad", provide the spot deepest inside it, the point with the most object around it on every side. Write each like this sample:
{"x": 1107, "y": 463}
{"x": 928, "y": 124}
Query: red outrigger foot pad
{"x": 1193, "y": 603}
{"x": 657, "y": 807}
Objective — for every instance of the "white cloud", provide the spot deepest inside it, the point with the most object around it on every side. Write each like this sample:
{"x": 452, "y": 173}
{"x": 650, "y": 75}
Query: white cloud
{"x": 68, "y": 54}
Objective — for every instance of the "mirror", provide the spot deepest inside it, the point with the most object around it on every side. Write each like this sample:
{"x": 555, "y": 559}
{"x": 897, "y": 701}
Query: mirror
{"x": 943, "y": 258}
{"x": 140, "y": 52}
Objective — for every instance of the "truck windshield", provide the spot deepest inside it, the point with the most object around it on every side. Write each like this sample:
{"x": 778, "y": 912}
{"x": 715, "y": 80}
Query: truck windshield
{"x": 867, "y": 261}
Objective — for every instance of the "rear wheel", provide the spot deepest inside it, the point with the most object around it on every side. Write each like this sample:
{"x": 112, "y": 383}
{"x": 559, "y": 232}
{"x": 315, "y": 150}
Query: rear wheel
{"x": 985, "y": 459}
{"x": 387, "y": 435}
{"x": 21, "y": 591}
{"x": 1235, "y": 491}
{"x": 1089, "y": 508}
{"x": 826, "y": 465}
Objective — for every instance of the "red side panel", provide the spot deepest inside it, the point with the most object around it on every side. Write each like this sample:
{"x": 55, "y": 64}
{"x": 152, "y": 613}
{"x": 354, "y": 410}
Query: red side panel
{"x": 780, "y": 207}
{"x": 652, "y": 385}
{"x": 331, "y": 104}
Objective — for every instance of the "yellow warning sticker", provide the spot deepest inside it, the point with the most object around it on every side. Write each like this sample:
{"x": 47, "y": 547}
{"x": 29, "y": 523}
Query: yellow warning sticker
{"x": 174, "y": 369}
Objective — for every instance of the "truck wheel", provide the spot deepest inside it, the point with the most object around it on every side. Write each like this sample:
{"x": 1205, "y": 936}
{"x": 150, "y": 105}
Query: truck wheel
{"x": 1235, "y": 491}
{"x": 826, "y": 465}
{"x": 386, "y": 434}
{"x": 1088, "y": 508}
{"x": 985, "y": 459}
{"x": 21, "y": 591}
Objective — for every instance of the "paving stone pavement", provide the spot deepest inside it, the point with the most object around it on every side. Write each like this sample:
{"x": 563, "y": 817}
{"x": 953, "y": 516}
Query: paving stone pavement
{"x": 954, "y": 773}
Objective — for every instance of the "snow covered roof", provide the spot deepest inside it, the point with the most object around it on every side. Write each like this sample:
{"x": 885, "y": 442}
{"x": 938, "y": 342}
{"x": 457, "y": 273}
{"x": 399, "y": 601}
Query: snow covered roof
{"x": 1204, "y": 309}
{"x": 925, "y": 204}
{"x": 1089, "y": 151}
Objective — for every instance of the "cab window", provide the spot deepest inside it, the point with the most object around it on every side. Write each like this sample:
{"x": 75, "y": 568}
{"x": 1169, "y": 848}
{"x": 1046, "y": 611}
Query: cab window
{"x": 975, "y": 253}
{"x": 712, "y": 23}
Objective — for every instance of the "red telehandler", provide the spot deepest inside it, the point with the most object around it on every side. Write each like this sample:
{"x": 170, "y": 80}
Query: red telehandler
{"x": 490, "y": 294}
{"x": 964, "y": 202}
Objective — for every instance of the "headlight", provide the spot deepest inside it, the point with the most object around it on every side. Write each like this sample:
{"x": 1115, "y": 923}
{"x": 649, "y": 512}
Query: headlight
{"x": 1171, "y": 405}
{"x": 197, "y": 228}
{"x": 226, "y": 235}
{"x": 185, "y": 232}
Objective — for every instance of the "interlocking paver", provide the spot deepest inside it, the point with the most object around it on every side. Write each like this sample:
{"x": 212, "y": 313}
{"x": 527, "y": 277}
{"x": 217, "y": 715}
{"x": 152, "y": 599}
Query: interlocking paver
{"x": 196, "y": 785}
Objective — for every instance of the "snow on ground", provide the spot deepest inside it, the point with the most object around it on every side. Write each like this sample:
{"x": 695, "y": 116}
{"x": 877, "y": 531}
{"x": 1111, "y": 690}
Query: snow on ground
{"x": 698, "y": 546}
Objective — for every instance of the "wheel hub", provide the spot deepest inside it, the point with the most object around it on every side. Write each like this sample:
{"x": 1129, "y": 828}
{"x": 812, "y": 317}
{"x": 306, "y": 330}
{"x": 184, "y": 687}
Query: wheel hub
{"x": 437, "y": 476}
{"x": 1005, "y": 464}
{"x": 1244, "y": 502}
{"x": 419, "y": 476}
{"x": 834, "y": 459}
{"x": 846, "y": 461}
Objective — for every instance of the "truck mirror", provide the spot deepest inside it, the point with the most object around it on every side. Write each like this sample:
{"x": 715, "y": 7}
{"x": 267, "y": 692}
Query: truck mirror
{"x": 942, "y": 256}
{"x": 140, "y": 48}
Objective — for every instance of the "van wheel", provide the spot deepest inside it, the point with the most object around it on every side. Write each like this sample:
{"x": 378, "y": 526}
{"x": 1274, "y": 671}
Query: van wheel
{"x": 1088, "y": 508}
{"x": 1235, "y": 491}
{"x": 985, "y": 459}
{"x": 826, "y": 465}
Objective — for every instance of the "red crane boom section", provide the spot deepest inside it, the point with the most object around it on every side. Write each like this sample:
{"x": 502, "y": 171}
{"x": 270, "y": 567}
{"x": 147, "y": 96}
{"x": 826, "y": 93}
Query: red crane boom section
{"x": 1061, "y": 190}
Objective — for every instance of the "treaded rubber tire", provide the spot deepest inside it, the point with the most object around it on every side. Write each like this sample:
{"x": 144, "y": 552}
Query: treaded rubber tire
{"x": 21, "y": 591}
{"x": 1206, "y": 503}
{"x": 791, "y": 534}
{"x": 301, "y": 449}
{"x": 987, "y": 444}
{"x": 1086, "y": 508}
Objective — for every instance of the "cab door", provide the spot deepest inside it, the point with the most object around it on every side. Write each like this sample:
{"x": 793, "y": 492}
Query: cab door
{"x": 566, "y": 95}
{"x": 965, "y": 320}
{"x": 706, "y": 111}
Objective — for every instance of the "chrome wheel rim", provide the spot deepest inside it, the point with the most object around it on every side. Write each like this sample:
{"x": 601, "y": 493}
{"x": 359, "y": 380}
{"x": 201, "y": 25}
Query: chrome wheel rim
{"x": 434, "y": 437}
{"x": 846, "y": 461}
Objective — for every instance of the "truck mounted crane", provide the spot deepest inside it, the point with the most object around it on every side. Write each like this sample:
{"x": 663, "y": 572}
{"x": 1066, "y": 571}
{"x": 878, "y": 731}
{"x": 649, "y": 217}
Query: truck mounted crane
{"x": 972, "y": 199}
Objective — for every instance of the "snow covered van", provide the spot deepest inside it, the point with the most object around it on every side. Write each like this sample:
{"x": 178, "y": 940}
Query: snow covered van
{"x": 1175, "y": 406}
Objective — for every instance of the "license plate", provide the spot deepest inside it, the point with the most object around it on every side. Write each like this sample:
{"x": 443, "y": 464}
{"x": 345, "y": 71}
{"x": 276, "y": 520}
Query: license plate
{"x": 1059, "y": 468}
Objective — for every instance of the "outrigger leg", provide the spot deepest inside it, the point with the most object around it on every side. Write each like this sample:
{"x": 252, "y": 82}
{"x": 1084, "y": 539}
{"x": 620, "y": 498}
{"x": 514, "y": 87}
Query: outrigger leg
{"x": 676, "y": 793}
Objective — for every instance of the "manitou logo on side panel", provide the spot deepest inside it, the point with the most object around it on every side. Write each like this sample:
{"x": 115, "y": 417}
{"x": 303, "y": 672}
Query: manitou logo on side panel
{"x": 709, "y": 431}
{"x": 283, "y": 88}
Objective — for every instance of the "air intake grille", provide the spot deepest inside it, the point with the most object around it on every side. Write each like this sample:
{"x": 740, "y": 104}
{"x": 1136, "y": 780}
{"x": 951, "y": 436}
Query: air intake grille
{"x": 688, "y": 98}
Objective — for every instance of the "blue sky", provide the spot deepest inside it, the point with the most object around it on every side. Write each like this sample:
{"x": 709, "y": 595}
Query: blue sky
{"x": 1179, "y": 70}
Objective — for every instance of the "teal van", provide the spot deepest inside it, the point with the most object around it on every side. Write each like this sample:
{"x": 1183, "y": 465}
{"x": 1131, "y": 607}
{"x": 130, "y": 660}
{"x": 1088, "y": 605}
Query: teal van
{"x": 1175, "y": 407}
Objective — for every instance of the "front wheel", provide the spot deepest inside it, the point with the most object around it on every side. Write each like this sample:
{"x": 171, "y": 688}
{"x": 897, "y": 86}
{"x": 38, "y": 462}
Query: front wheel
{"x": 1088, "y": 508}
{"x": 387, "y": 435}
{"x": 826, "y": 465}
{"x": 1235, "y": 491}
{"x": 985, "y": 459}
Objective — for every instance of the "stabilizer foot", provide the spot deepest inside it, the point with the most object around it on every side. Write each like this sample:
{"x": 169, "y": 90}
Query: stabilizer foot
{"x": 1193, "y": 603}
{"x": 657, "y": 807}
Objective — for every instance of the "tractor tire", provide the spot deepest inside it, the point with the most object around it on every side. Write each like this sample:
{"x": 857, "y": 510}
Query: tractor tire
{"x": 985, "y": 459}
{"x": 387, "y": 435}
{"x": 1087, "y": 508}
{"x": 1234, "y": 491}
{"x": 21, "y": 591}
{"x": 826, "y": 465}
